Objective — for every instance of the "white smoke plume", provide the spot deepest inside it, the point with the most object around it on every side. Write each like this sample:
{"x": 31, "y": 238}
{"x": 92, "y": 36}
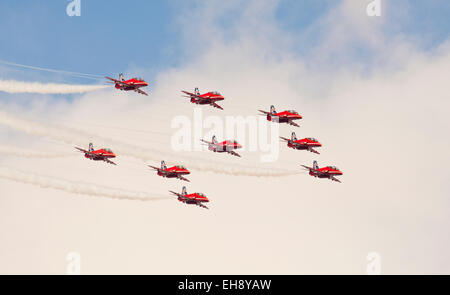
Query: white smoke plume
{"x": 79, "y": 188}
{"x": 20, "y": 152}
{"x": 12, "y": 86}
{"x": 77, "y": 137}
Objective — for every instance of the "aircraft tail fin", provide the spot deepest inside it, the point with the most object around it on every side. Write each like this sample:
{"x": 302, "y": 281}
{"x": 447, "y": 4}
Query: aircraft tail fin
{"x": 184, "y": 191}
{"x": 293, "y": 136}
{"x": 214, "y": 139}
{"x": 196, "y": 91}
{"x": 91, "y": 147}
{"x": 315, "y": 165}
{"x": 121, "y": 78}
{"x": 163, "y": 165}
{"x": 272, "y": 109}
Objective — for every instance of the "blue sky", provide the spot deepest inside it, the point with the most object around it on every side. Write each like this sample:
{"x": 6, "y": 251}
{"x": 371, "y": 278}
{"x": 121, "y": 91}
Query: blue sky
{"x": 113, "y": 36}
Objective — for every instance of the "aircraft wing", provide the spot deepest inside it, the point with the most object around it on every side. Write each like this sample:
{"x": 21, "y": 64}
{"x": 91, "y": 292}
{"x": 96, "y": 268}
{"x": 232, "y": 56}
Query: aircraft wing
{"x": 314, "y": 170}
{"x": 313, "y": 151}
{"x": 334, "y": 178}
{"x": 82, "y": 150}
{"x": 234, "y": 153}
{"x": 85, "y": 151}
{"x": 153, "y": 167}
{"x": 201, "y": 205}
{"x": 177, "y": 194}
{"x": 192, "y": 94}
{"x": 182, "y": 178}
{"x": 284, "y": 138}
{"x": 117, "y": 81}
{"x": 109, "y": 161}
{"x": 309, "y": 168}
{"x": 205, "y": 141}
{"x": 216, "y": 105}
{"x": 140, "y": 91}
{"x": 264, "y": 112}
{"x": 290, "y": 122}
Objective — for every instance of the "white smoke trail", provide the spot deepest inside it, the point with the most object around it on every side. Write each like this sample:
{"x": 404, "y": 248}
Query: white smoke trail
{"x": 76, "y": 137}
{"x": 13, "y": 86}
{"x": 19, "y": 152}
{"x": 76, "y": 74}
{"x": 79, "y": 188}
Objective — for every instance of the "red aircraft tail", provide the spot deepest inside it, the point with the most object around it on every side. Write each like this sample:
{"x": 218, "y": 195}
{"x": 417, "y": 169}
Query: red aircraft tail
{"x": 91, "y": 147}
{"x": 163, "y": 165}
{"x": 184, "y": 191}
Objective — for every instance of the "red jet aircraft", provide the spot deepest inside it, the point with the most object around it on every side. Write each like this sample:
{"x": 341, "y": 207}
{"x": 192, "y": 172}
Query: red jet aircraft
{"x": 131, "y": 84}
{"x": 282, "y": 117}
{"x": 98, "y": 155}
{"x": 192, "y": 199}
{"x": 326, "y": 172}
{"x": 224, "y": 146}
{"x": 302, "y": 144}
{"x": 172, "y": 172}
{"x": 206, "y": 98}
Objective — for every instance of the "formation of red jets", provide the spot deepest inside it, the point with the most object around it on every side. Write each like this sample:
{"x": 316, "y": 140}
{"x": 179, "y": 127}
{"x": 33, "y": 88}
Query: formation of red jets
{"x": 227, "y": 146}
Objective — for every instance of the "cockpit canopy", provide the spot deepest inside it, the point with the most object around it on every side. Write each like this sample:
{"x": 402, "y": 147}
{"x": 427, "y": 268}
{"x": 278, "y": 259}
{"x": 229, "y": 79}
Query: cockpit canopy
{"x": 312, "y": 139}
{"x": 215, "y": 92}
{"x": 201, "y": 195}
{"x": 181, "y": 167}
{"x": 333, "y": 167}
{"x": 108, "y": 150}
{"x": 293, "y": 112}
{"x": 139, "y": 79}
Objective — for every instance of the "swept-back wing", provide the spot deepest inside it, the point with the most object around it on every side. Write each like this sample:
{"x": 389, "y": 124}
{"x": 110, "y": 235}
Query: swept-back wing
{"x": 192, "y": 94}
{"x": 201, "y": 205}
{"x": 82, "y": 150}
{"x": 334, "y": 178}
{"x": 314, "y": 170}
{"x": 109, "y": 161}
{"x": 216, "y": 105}
{"x": 140, "y": 91}
{"x": 117, "y": 81}
{"x": 156, "y": 168}
{"x": 313, "y": 151}
{"x": 178, "y": 194}
{"x": 182, "y": 178}
{"x": 85, "y": 151}
{"x": 293, "y": 123}
{"x": 205, "y": 141}
{"x": 234, "y": 153}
